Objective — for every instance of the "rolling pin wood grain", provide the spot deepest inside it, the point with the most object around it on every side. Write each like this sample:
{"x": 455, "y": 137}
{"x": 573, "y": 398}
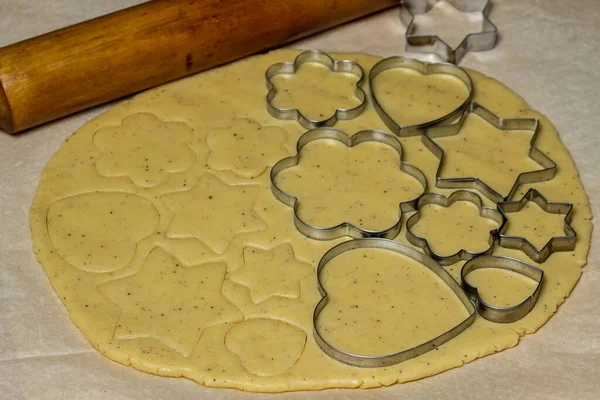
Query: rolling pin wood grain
{"x": 62, "y": 72}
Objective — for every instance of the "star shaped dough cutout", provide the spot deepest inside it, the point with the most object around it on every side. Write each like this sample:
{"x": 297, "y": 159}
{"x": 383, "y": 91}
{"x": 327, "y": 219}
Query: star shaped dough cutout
{"x": 170, "y": 302}
{"x": 269, "y": 273}
{"x": 213, "y": 212}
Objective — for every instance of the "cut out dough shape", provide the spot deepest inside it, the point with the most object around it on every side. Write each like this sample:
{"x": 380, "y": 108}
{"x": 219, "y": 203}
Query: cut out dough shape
{"x": 213, "y": 100}
{"x": 500, "y": 287}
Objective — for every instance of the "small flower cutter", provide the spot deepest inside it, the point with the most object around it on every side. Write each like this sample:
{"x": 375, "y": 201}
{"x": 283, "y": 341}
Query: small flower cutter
{"x": 477, "y": 41}
{"x": 507, "y": 124}
{"x": 425, "y": 69}
{"x": 345, "y": 228}
{"x": 319, "y": 57}
{"x": 556, "y": 243}
{"x": 390, "y": 359}
{"x": 502, "y": 314}
{"x": 441, "y": 200}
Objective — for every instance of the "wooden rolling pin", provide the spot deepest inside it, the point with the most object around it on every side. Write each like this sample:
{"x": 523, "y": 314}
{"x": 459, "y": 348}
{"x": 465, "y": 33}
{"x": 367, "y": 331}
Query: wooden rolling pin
{"x": 65, "y": 71}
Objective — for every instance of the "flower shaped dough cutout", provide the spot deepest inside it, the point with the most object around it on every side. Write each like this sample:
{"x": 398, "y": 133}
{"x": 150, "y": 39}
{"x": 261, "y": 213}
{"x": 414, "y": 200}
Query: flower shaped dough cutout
{"x": 345, "y": 228}
{"x": 441, "y": 200}
{"x": 319, "y": 57}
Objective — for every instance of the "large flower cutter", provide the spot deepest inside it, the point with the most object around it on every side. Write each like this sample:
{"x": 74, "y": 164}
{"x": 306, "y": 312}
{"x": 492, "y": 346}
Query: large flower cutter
{"x": 389, "y": 359}
{"x": 556, "y": 243}
{"x": 345, "y": 228}
{"x": 477, "y": 41}
{"x": 546, "y": 173}
{"x": 319, "y": 57}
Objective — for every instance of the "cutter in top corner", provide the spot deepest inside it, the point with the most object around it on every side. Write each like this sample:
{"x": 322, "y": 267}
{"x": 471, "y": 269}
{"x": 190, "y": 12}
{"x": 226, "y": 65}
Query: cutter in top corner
{"x": 486, "y": 39}
{"x": 315, "y": 56}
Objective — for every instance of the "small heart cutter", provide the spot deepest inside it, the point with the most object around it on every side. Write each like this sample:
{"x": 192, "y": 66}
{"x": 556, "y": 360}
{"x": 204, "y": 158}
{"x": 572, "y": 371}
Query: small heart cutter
{"x": 319, "y": 57}
{"x": 441, "y": 200}
{"x": 345, "y": 228}
{"x": 506, "y": 124}
{"x": 484, "y": 40}
{"x": 390, "y": 359}
{"x": 556, "y": 243}
{"x": 502, "y": 314}
{"x": 425, "y": 69}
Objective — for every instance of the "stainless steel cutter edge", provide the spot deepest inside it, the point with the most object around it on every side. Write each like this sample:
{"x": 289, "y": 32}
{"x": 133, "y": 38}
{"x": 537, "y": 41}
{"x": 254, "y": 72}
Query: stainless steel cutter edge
{"x": 425, "y": 69}
{"x": 345, "y": 228}
{"x": 502, "y": 314}
{"x": 439, "y": 199}
{"x": 476, "y": 41}
{"x": 507, "y": 124}
{"x": 390, "y": 359}
{"x": 554, "y": 244}
{"x": 315, "y": 56}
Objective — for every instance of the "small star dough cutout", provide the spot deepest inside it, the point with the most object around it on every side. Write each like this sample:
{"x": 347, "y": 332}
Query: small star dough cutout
{"x": 246, "y": 147}
{"x": 271, "y": 273}
{"x": 170, "y": 302}
{"x": 213, "y": 212}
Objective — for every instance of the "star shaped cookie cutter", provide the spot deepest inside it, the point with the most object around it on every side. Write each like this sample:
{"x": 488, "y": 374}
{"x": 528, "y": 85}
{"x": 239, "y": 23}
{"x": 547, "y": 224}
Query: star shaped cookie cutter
{"x": 395, "y": 358}
{"x": 441, "y": 200}
{"x": 319, "y": 57}
{"x": 425, "y": 69}
{"x": 556, "y": 243}
{"x": 507, "y": 124}
{"x": 345, "y": 228}
{"x": 502, "y": 314}
{"x": 484, "y": 40}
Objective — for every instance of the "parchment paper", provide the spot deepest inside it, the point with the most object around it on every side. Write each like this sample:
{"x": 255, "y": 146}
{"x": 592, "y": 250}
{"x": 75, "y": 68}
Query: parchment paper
{"x": 549, "y": 53}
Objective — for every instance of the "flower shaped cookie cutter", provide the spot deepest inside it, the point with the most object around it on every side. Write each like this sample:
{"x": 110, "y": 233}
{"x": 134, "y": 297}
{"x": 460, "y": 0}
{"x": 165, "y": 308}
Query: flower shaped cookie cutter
{"x": 345, "y": 228}
{"x": 425, "y": 69}
{"x": 472, "y": 182}
{"x": 441, "y": 200}
{"x": 477, "y": 41}
{"x": 556, "y": 243}
{"x": 315, "y": 56}
{"x": 390, "y": 359}
{"x": 502, "y": 314}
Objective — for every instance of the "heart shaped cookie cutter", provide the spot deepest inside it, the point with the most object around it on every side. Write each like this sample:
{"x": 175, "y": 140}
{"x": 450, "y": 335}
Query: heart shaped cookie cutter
{"x": 441, "y": 200}
{"x": 390, "y": 359}
{"x": 319, "y": 57}
{"x": 502, "y": 314}
{"x": 345, "y": 228}
{"x": 425, "y": 69}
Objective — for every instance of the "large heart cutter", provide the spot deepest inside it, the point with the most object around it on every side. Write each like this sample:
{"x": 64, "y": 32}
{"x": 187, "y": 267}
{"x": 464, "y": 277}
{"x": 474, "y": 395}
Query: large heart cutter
{"x": 390, "y": 359}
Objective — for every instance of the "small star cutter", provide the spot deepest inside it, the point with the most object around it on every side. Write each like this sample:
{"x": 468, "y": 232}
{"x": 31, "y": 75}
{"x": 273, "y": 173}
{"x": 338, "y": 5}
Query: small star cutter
{"x": 502, "y": 314}
{"x": 345, "y": 228}
{"x": 319, "y": 57}
{"x": 506, "y": 124}
{"x": 395, "y": 358}
{"x": 441, "y": 200}
{"x": 554, "y": 244}
{"x": 484, "y": 40}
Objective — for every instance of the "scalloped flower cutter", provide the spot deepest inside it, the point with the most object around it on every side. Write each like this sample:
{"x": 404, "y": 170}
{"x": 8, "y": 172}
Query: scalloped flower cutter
{"x": 441, "y": 200}
{"x": 319, "y": 57}
{"x": 390, "y": 359}
{"x": 556, "y": 243}
{"x": 502, "y": 314}
{"x": 425, "y": 69}
{"x": 484, "y": 40}
{"x": 506, "y": 124}
{"x": 345, "y": 228}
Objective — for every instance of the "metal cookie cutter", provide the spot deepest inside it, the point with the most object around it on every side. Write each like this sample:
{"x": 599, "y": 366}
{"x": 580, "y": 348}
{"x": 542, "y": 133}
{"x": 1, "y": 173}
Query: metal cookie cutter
{"x": 557, "y": 243}
{"x": 502, "y": 314}
{"x": 441, "y": 200}
{"x": 390, "y": 359}
{"x": 315, "y": 56}
{"x": 425, "y": 69}
{"x": 477, "y": 41}
{"x": 345, "y": 228}
{"x": 546, "y": 173}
